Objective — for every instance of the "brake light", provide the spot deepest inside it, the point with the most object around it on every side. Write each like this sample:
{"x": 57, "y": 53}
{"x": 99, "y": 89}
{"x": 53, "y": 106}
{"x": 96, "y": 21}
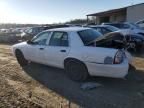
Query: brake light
{"x": 118, "y": 57}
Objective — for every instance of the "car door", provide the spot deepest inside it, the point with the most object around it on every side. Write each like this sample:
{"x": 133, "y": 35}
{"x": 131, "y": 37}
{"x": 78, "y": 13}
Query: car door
{"x": 36, "y": 49}
{"x": 58, "y": 49}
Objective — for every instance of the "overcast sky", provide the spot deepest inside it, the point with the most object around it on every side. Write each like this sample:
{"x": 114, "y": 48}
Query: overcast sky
{"x": 55, "y": 11}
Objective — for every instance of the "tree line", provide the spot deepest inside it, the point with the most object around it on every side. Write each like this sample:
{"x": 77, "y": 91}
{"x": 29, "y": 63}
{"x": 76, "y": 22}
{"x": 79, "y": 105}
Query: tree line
{"x": 74, "y": 21}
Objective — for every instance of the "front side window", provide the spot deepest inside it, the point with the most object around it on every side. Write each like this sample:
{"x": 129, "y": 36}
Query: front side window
{"x": 88, "y": 35}
{"x": 59, "y": 39}
{"x": 41, "y": 38}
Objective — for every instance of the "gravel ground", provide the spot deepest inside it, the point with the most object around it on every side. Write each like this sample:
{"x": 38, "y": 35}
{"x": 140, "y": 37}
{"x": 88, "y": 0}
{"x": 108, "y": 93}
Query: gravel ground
{"x": 41, "y": 86}
{"x": 17, "y": 89}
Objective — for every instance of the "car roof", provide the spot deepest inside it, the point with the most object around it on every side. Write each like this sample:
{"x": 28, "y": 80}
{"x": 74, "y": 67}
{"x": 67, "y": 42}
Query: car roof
{"x": 69, "y": 29}
{"x": 100, "y": 26}
{"x": 116, "y": 23}
{"x": 112, "y": 23}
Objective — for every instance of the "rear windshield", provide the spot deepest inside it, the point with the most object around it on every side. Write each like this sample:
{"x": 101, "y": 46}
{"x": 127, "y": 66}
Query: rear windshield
{"x": 88, "y": 35}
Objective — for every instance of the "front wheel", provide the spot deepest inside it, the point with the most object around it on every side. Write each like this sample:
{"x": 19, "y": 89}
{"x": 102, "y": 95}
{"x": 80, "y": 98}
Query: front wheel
{"x": 20, "y": 58}
{"x": 76, "y": 70}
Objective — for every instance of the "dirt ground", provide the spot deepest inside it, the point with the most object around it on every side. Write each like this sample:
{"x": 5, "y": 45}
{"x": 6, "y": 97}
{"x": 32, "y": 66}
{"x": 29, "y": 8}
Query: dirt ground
{"x": 36, "y": 86}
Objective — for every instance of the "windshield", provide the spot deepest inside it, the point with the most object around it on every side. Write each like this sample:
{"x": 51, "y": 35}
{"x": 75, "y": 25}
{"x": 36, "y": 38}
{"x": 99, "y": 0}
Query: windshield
{"x": 88, "y": 35}
{"x": 112, "y": 28}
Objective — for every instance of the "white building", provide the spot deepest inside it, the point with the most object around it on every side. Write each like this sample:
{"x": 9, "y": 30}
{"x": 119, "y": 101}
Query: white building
{"x": 132, "y": 13}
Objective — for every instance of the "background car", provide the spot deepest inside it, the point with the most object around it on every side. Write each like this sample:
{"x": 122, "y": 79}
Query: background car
{"x": 104, "y": 29}
{"x": 120, "y": 41}
{"x": 135, "y": 41}
{"x": 70, "y": 49}
{"x": 29, "y": 33}
{"x": 130, "y": 27}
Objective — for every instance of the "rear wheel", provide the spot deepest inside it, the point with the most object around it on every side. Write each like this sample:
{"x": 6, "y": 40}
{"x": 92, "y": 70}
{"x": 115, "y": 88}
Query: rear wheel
{"x": 76, "y": 70}
{"x": 139, "y": 48}
{"x": 131, "y": 73}
{"x": 20, "y": 58}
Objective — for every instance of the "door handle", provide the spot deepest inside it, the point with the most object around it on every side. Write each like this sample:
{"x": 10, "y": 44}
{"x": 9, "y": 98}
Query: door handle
{"x": 41, "y": 48}
{"x": 62, "y": 50}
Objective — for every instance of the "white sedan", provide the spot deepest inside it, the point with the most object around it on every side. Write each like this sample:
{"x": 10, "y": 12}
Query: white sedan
{"x": 70, "y": 49}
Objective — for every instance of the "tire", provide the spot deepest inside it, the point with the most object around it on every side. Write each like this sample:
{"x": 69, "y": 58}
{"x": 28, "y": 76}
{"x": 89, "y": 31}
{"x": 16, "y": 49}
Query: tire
{"x": 131, "y": 73}
{"x": 20, "y": 58}
{"x": 76, "y": 70}
{"x": 139, "y": 48}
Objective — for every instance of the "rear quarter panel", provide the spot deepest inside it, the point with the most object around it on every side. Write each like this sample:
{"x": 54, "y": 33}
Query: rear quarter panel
{"x": 91, "y": 54}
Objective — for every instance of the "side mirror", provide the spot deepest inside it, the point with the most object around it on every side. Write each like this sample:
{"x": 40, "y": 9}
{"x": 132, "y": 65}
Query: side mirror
{"x": 29, "y": 42}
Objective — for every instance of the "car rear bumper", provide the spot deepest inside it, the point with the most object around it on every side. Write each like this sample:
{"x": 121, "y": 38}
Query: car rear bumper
{"x": 111, "y": 70}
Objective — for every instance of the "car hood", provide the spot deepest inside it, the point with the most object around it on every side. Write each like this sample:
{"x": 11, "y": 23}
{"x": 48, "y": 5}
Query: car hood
{"x": 110, "y": 35}
{"x": 20, "y": 44}
{"x": 111, "y": 40}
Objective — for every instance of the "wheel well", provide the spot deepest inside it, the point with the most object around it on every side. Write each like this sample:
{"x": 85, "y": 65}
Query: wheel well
{"x": 18, "y": 51}
{"x": 73, "y": 59}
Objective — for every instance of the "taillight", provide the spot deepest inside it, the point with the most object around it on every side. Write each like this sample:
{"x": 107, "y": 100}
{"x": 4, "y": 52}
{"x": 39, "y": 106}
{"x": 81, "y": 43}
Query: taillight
{"x": 118, "y": 57}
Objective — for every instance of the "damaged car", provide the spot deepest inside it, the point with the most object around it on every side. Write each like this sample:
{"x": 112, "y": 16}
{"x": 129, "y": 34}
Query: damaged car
{"x": 80, "y": 51}
{"x": 134, "y": 41}
{"x": 118, "y": 40}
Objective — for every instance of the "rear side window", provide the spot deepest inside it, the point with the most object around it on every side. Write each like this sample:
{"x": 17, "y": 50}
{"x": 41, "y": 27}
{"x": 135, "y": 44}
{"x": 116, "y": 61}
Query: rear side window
{"x": 88, "y": 35}
{"x": 59, "y": 39}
